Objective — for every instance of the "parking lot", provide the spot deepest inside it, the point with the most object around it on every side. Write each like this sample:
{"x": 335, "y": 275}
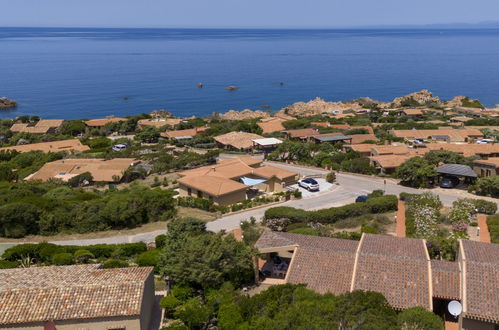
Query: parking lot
{"x": 324, "y": 186}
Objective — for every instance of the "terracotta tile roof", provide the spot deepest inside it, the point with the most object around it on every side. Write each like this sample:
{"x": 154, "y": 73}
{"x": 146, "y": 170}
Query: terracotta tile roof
{"x": 492, "y": 161}
{"x": 183, "y": 132}
{"x": 446, "y": 279}
{"x": 360, "y": 138}
{"x": 103, "y": 121}
{"x": 389, "y": 150}
{"x": 53, "y": 146}
{"x": 101, "y": 169}
{"x": 456, "y": 135}
{"x": 212, "y": 185}
{"x": 362, "y": 147}
{"x": 269, "y": 171}
{"x": 461, "y": 119}
{"x": 389, "y": 161}
{"x": 238, "y": 140}
{"x": 326, "y": 124}
{"x": 412, "y": 112}
{"x": 39, "y": 294}
{"x": 271, "y": 125}
{"x": 466, "y": 149}
{"x": 396, "y": 267}
{"x": 480, "y": 280}
{"x": 302, "y": 133}
{"x": 340, "y": 126}
{"x": 229, "y": 168}
{"x": 41, "y": 127}
{"x": 158, "y": 123}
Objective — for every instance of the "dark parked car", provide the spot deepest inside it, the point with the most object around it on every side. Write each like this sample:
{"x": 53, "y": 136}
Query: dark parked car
{"x": 449, "y": 182}
{"x": 361, "y": 199}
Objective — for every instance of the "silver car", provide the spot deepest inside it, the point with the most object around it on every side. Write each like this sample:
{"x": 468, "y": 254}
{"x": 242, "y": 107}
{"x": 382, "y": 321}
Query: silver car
{"x": 309, "y": 184}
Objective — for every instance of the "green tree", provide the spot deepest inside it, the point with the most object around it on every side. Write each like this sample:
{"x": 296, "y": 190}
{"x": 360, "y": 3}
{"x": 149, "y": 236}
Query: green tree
{"x": 204, "y": 259}
{"x": 418, "y": 318}
{"x": 416, "y": 172}
{"x": 73, "y": 127}
{"x": 148, "y": 135}
{"x": 6, "y": 173}
{"x": 193, "y": 313}
{"x": 82, "y": 256}
{"x": 488, "y": 186}
{"x": 18, "y": 220}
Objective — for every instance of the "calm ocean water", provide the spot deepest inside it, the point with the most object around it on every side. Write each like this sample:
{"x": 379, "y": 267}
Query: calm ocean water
{"x": 86, "y": 73}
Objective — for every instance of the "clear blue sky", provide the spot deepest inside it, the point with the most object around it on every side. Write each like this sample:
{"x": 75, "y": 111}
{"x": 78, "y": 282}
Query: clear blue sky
{"x": 243, "y": 13}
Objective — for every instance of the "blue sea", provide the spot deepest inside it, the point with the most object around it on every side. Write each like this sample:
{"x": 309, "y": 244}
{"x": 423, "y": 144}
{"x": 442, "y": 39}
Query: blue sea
{"x": 86, "y": 73}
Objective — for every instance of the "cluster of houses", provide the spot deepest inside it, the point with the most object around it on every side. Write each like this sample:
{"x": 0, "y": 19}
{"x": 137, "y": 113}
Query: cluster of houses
{"x": 399, "y": 268}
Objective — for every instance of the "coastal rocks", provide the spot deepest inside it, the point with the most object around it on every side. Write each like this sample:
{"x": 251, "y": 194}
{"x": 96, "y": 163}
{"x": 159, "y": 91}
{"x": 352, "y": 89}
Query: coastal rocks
{"x": 6, "y": 103}
{"x": 241, "y": 115}
{"x": 421, "y": 98}
{"x": 161, "y": 113}
{"x": 316, "y": 107}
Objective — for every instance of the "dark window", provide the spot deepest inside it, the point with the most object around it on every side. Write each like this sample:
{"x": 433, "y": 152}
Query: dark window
{"x": 200, "y": 194}
{"x": 189, "y": 191}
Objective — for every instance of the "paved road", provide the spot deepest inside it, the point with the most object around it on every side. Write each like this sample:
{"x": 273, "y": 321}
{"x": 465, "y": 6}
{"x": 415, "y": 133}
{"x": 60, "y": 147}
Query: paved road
{"x": 348, "y": 188}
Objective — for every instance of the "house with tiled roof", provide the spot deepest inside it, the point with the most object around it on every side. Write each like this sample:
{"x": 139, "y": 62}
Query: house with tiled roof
{"x": 73, "y": 145}
{"x": 301, "y": 134}
{"x": 183, "y": 133}
{"x": 76, "y": 297}
{"x": 361, "y": 138}
{"x": 101, "y": 122}
{"x": 43, "y": 126}
{"x": 442, "y": 134}
{"x": 486, "y": 167}
{"x": 467, "y": 150}
{"x": 158, "y": 122}
{"x": 271, "y": 125}
{"x": 228, "y": 181}
{"x": 399, "y": 268}
{"x": 239, "y": 141}
{"x": 102, "y": 170}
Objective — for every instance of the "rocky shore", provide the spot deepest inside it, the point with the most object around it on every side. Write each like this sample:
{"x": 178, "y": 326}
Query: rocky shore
{"x": 6, "y": 103}
{"x": 319, "y": 106}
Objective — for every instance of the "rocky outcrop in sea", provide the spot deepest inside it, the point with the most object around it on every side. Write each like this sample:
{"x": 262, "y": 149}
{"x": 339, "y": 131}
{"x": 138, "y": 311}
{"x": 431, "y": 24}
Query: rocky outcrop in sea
{"x": 6, "y": 103}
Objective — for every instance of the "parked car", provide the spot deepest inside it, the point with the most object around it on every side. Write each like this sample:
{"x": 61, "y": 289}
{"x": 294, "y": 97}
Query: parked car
{"x": 361, "y": 199}
{"x": 120, "y": 147}
{"x": 309, "y": 184}
{"x": 484, "y": 141}
{"x": 449, "y": 182}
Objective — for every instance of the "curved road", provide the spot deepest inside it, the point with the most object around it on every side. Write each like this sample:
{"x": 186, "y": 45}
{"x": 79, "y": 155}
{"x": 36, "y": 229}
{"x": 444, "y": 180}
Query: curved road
{"x": 348, "y": 187}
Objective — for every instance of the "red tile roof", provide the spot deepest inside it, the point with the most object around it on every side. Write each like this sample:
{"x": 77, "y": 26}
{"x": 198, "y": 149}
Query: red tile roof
{"x": 446, "y": 279}
{"x": 38, "y": 294}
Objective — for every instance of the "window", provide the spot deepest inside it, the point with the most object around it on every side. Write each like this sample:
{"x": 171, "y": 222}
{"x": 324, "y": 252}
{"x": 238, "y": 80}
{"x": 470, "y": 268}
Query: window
{"x": 200, "y": 194}
{"x": 189, "y": 191}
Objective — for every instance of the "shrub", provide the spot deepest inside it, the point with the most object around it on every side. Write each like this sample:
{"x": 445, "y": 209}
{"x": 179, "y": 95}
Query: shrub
{"x": 198, "y": 203}
{"x": 169, "y": 304}
{"x": 148, "y": 259}
{"x": 488, "y": 186}
{"x": 114, "y": 263}
{"x": 355, "y": 236}
{"x": 82, "y": 179}
{"x": 5, "y": 264}
{"x": 83, "y": 256}
{"x": 182, "y": 292}
{"x": 483, "y": 206}
{"x": 493, "y": 224}
{"x": 304, "y": 231}
{"x": 297, "y": 193}
{"x": 62, "y": 259}
{"x": 419, "y": 318}
{"x": 160, "y": 241}
{"x": 331, "y": 177}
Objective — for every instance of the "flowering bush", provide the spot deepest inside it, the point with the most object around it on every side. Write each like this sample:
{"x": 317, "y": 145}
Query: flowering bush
{"x": 277, "y": 224}
{"x": 425, "y": 220}
{"x": 460, "y": 227}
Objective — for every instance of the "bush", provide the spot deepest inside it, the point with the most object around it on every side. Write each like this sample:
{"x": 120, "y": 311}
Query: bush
{"x": 493, "y": 224}
{"x": 331, "y": 177}
{"x": 80, "y": 180}
{"x": 304, "y": 231}
{"x": 419, "y": 318}
{"x": 488, "y": 186}
{"x": 62, "y": 259}
{"x": 182, "y": 292}
{"x": 197, "y": 203}
{"x": 83, "y": 256}
{"x": 114, "y": 263}
{"x": 160, "y": 241}
{"x": 169, "y": 304}
{"x": 331, "y": 215}
{"x": 483, "y": 206}
{"x": 148, "y": 259}
{"x": 5, "y": 264}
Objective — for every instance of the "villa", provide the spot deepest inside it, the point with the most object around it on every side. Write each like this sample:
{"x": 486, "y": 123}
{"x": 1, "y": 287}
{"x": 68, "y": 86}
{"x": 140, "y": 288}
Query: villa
{"x": 53, "y": 146}
{"x": 76, "y": 297}
{"x": 399, "y": 268}
{"x": 41, "y": 127}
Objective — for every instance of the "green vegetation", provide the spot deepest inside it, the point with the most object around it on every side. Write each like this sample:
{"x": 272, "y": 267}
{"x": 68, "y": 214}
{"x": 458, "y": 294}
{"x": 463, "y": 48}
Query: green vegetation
{"x": 33, "y": 208}
{"x": 487, "y": 186}
{"x": 191, "y": 255}
{"x": 291, "y": 307}
{"x": 45, "y": 254}
{"x": 331, "y": 215}
{"x": 469, "y": 103}
{"x": 493, "y": 224}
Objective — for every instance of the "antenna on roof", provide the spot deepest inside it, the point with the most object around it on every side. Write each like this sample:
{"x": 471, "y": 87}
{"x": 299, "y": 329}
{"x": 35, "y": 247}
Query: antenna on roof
{"x": 455, "y": 308}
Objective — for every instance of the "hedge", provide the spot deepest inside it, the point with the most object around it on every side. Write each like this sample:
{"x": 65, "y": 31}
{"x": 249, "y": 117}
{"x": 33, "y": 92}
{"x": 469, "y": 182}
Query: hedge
{"x": 44, "y": 252}
{"x": 493, "y": 224}
{"x": 373, "y": 205}
{"x": 148, "y": 258}
{"x": 197, "y": 203}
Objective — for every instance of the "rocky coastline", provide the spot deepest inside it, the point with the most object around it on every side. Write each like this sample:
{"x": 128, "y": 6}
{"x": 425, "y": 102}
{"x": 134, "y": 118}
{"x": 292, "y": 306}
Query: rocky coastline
{"x": 6, "y": 103}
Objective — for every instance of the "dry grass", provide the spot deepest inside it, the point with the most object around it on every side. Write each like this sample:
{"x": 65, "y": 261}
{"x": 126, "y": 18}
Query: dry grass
{"x": 186, "y": 212}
